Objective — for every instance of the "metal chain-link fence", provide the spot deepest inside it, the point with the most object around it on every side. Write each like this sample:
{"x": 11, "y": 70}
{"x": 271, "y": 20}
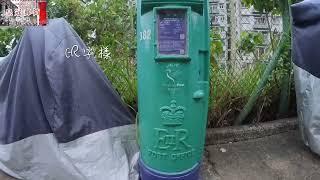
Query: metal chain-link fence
{"x": 243, "y": 41}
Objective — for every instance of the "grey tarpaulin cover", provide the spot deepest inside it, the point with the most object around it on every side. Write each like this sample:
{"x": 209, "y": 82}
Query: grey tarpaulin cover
{"x": 60, "y": 118}
{"x": 306, "y": 59}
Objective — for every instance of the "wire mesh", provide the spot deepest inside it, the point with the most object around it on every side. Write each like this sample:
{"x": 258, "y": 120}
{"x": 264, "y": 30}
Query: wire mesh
{"x": 243, "y": 39}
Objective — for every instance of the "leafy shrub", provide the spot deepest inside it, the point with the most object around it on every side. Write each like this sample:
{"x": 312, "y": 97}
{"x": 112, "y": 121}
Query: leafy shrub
{"x": 8, "y": 39}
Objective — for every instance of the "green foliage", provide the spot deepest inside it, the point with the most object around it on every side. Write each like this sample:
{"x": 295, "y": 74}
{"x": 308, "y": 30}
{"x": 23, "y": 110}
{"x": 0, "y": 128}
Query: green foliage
{"x": 216, "y": 45}
{"x": 113, "y": 24}
{"x": 8, "y": 39}
{"x": 268, "y": 6}
{"x": 230, "y": 91}
{"x": 249, "y": 41}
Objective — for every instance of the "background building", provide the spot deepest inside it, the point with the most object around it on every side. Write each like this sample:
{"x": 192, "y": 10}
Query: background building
{"x": 19, "y": 12}
{"x": 219, "y": 22}
{"x": 7, "y": 7}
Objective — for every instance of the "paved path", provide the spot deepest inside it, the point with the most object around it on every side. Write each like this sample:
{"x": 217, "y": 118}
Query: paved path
{"x": 279, "y": 157}
{"x": 4, "y": 177}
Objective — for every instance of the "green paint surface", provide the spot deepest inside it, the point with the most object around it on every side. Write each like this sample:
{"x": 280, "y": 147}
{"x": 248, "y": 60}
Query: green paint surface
{"x": 173, "y": 82}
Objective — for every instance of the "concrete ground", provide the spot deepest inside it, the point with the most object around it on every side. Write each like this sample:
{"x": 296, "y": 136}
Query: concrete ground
{"x": 5, "y": 177}
{"x": 278, "y": 157}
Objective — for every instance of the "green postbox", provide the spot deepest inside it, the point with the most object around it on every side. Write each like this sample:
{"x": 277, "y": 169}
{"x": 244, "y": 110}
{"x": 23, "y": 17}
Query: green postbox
{"x": 173, "y": 86}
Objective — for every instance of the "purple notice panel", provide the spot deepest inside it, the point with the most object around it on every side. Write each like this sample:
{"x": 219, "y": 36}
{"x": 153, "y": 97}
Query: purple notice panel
{"x": 172, "y": 32}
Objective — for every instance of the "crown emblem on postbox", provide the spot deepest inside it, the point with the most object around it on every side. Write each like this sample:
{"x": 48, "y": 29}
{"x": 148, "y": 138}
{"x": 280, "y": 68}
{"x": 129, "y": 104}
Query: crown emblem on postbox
{"x": 172, "y": 115}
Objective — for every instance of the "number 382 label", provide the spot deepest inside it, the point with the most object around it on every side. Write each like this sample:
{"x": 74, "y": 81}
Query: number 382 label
{"x": 145, "y": 35}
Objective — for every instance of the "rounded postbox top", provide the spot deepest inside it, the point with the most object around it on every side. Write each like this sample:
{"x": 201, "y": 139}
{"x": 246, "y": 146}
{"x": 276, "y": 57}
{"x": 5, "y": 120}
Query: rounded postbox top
{"x": 174, "y": 1}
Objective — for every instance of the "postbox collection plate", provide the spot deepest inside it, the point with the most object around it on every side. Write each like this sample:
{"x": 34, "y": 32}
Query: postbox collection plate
{"x": 172, "y": 32}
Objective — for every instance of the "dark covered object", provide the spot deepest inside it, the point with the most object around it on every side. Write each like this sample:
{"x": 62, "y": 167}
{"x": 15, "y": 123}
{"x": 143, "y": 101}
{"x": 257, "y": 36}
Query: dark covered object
{"x": 43, "y": 91}
{"x": 60, "y": 118}
{"x": 306, "y": 59}
{"x": 306, "y": 41}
